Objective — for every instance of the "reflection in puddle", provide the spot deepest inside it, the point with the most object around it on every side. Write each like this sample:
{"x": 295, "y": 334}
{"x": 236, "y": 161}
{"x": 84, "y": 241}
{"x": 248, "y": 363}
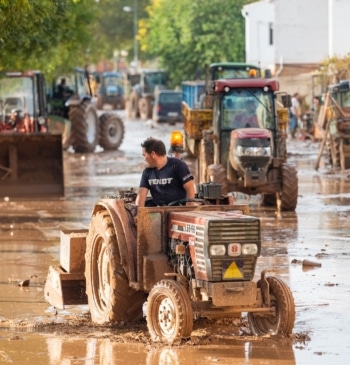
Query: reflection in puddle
{"x": 95, "y": 351}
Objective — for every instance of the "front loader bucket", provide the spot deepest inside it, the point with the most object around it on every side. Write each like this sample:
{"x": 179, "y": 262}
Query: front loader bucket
{"x": 62, "y": 288}
{"x": 31, "y": 166}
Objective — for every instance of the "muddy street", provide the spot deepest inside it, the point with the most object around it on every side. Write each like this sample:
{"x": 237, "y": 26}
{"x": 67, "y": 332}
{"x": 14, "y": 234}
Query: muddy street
{"x": 33, "y": 332}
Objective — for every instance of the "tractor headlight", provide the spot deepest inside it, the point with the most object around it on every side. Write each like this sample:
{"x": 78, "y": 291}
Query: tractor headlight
{"x": 253, "y": 151}
{"x": 250, "y": 249}
{"x": 217, "y": 250}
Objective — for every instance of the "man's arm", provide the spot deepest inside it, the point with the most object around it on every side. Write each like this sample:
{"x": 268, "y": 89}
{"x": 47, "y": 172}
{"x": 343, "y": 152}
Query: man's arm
{"x": 141, "y": 197}
{"x": 190, "y": 189}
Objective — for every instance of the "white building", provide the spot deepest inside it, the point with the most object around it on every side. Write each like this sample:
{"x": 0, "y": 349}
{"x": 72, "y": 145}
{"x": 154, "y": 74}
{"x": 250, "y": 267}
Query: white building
{"x": 295, "y": 36}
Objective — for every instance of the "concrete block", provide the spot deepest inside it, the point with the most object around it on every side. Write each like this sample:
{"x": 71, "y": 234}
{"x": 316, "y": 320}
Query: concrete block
{"x": 72, "y": 250}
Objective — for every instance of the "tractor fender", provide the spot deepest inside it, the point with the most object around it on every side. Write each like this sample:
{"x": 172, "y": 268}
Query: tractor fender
{"x": 125, "y": 231}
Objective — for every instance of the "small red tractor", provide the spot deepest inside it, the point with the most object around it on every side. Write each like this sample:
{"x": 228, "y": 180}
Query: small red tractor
{"x": 176, "y": 263}
{"x": 249, "y": 158}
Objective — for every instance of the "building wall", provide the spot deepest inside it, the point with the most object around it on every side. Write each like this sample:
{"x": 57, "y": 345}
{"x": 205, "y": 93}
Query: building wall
{"x": 301, "y": 28}
{"x": 305, "y": 32}
{"x": 259, "y": 17}
{"x": 339, "y": 45}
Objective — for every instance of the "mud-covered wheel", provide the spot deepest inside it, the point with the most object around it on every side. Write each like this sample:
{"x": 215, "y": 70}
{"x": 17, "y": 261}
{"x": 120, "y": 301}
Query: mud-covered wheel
{"x": 289, "y": 193}
{"x": 145, "y": 109}
{"x": 133, "y": 105}
{"x": 111, "y": 132}
{"x": 282, "y": 301}
{"x": 169, "y": 312}
{"x": 99, "y": 102}
{"x": 110, "y": 298}
{"x": 84, "y": 127}
{"x": 205, "y": 159}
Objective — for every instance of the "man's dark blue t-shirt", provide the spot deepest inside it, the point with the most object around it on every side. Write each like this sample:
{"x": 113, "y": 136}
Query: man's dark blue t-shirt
{"x": 166, "y": 184}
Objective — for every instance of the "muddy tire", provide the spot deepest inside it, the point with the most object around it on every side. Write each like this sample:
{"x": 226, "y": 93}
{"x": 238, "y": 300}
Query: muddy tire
{"x": 111, "y": 132}
{"x": 281, "y": 299}
{"x": 169, "y": 312}
{"x": 84, "y": 127}
{"x": 99, "y": 102}
{"x": 134, "y": 105}
{"x": 110, "y": 298}
{"x": 145, "y": 109}
{"x": 206, "y": 153}
{"x": 289, "y": 193}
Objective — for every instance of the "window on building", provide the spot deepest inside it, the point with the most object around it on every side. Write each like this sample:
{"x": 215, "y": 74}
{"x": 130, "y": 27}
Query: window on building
{"x": 270, "y": 34}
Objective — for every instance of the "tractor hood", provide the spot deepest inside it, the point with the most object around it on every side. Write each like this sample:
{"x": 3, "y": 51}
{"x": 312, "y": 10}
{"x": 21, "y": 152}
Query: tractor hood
{"x": 250, "y": 133}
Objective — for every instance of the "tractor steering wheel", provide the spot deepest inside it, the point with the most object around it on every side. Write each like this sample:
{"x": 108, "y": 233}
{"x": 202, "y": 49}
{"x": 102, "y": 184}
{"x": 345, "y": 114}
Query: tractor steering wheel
{"x": 182, "y": 202}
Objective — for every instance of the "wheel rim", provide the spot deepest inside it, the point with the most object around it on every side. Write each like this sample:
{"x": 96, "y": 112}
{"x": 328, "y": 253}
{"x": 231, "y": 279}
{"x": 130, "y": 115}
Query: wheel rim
{"x": 283, "y": 307}
{"x": 102, "y": 288}
{"x": 166, "y": 316}
{"x": 113, "y": 133}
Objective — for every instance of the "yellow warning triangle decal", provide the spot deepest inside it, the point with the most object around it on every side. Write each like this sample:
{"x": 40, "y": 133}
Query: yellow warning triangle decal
{"x": 232, "y": 272}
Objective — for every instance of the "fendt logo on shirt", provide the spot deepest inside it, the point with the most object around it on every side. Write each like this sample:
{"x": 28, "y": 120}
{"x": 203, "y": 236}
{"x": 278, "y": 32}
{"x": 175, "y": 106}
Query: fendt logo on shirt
{"x": 160, "y": 181}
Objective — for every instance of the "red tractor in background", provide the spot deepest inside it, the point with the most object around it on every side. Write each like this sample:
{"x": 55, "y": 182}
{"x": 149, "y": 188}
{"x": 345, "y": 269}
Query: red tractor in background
{"x": 250, "y": 159}
{"x": 31, "y": 158}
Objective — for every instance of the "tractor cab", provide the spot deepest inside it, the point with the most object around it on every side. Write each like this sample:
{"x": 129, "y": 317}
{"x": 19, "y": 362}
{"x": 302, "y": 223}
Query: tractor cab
{"x": 244, "y": 119}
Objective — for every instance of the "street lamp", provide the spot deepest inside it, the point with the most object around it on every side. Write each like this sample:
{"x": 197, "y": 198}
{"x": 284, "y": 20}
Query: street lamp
{"x": 128, "y": 9}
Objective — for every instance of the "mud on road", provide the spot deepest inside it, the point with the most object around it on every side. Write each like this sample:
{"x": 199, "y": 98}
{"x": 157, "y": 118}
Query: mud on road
{"x": 34, "y": 332}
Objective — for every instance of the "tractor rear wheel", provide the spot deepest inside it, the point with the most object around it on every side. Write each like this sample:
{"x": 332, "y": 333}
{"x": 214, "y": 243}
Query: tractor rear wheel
{"x": 84, "y": 127}
{"x": 145, "y": 108}
{"x": 289, "y": 193}
{"x": 281, "y": 300}
{"x": 111, "y": 132}
{"x": 169, "y": 312}
{"x": 110, "y": 297}
{"x": 205, "y": 159}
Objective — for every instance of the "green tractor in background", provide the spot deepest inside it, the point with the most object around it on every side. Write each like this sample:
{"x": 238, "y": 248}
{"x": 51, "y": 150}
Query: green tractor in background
{"x": 76, "y": 114}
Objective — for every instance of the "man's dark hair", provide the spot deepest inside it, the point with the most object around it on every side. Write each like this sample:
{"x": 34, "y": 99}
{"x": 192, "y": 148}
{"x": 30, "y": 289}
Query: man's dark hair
{"x": 156, "y": 145}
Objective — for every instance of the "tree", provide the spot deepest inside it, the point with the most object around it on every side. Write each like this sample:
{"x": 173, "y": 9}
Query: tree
{"x": 44, "y": 34}
{"x": 185, "y": 35}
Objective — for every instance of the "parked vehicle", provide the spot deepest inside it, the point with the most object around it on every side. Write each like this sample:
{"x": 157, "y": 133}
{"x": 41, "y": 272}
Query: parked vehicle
{"x": 111, "y": 90}
{"x": 167, "y": 107}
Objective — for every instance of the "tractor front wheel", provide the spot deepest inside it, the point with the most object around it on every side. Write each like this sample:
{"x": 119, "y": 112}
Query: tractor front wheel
{"x": 169, "y": 312}
{"x": 289, "y": 194}
{"x": 111, "y": 132}
{"x": 282, "y": 302}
